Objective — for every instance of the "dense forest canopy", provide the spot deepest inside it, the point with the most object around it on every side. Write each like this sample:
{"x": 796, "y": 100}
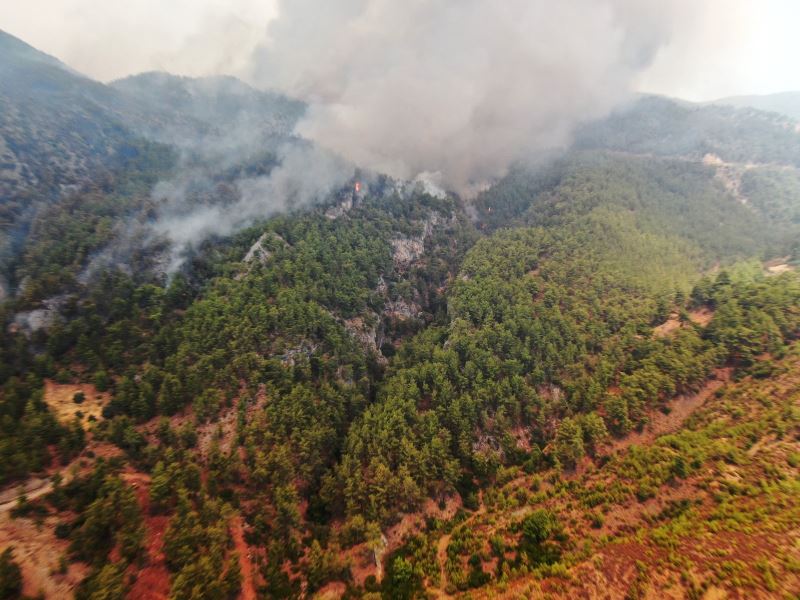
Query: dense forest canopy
{"x": 298, "y": 391}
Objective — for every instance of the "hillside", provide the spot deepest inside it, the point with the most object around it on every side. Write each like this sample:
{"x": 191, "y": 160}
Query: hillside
{"x": 583, "y": 382}
{"x": 64, "y": 136}
{"x": 785, "y": 103}
{"x": 702, "y": 504}
{"x": 60, "y": 128}
{"x": 662, "y": 127}
{"x": 179, "y": 110}
{"x": 56, "y": 126}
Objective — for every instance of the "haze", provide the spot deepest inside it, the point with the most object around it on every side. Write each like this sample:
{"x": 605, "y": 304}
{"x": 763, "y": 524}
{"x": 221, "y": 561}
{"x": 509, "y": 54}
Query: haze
{"x": 726, "y": 47}
{"x": 452, "y": 93}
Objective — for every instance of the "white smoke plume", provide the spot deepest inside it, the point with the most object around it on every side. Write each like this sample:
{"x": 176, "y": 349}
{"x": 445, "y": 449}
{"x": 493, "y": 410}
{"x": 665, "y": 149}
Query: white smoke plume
{"x": 306, "y": 175}
{"x": 449, "y": 93}
{"x": 463, "y": 88}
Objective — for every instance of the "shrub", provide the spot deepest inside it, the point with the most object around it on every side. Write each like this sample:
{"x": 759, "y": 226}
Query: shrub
{"x": 10, "y": 576}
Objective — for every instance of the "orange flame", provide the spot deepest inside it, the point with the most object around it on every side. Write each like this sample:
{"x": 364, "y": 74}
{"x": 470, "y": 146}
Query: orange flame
{"x": 358, "y": 186}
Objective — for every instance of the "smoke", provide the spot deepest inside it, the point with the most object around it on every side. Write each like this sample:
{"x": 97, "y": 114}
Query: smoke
{"x": 446, "y": 93}
{"x": 462, "y": 89}
{"x": 306, "y": 174}
{"x": 109, "y": 39}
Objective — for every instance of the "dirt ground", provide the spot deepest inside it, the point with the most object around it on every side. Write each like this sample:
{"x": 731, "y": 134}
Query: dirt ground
{"x": 152, "y": 582}
{"x": 667, "y": 327}
{"x": 701, "y": 316}
{"x": 41, "y": 484}
{"x": 36, "y": 548}
{"x": 38, "y": 552}
{"x": 248, "y": 576}
{"x": 680, "y": 409}
{"x": 59, "y": 396}
{"x": 778, "y": 269}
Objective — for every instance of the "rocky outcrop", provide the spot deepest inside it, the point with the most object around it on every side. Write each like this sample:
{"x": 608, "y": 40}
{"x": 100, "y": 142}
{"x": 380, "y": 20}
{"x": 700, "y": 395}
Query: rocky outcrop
{"x": 340, "y": 209}
{"x": 407, "y": 249}
{"x": 306, "y": 348}
{"x": 260, "y": 251}
{"x": 368, "y": 335}
{"x": 401, "y": 309}
{"x": 257, "y": 251}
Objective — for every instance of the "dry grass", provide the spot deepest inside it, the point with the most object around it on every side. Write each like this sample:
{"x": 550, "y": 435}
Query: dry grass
{"x": 38, "y": 552}
{"x": 701, "y": 317}
{"x": 667, "y": 327}
{"x": 60, "y": 398}
{"x": 778, "y": 269}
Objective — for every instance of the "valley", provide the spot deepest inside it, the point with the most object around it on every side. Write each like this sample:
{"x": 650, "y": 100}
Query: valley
{"x": 233, "y": 365}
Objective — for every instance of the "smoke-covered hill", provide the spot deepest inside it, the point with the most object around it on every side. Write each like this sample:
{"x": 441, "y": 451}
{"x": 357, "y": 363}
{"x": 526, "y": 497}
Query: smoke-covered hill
{"x": 56, "y": 126}
{"x": 784, "y": 103}
{"x": 180, "y": 110}
{"x": 663, "y": 127}
{"x": 61, "y": 132}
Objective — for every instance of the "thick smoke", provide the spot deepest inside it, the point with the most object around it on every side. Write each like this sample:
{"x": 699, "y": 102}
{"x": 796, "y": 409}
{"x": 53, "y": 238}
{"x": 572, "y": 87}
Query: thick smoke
{"x": 462, "y": 88}
{"x": 449, "y": 93}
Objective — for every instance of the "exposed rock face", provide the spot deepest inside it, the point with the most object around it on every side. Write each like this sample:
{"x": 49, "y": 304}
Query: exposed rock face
{"x": 409, "y": 249}
{"x": 306, "y": 348}
{"x": 340, "y": 209}
{"x": 260, "y": 251}
{"x": 729, "y": 174}
{"x": 373, "y": 329}
{"x": 368, "y": 335}
{"x": 257, "y": 251}
{"x": 401, "y": 309}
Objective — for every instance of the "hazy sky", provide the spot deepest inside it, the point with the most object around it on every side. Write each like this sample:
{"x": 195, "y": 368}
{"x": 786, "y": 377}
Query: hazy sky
{"x": 729, "y": 47}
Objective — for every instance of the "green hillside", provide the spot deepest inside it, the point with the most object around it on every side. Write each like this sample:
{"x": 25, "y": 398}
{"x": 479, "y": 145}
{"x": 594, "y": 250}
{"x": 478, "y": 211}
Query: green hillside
{"x": 583, "y": 381}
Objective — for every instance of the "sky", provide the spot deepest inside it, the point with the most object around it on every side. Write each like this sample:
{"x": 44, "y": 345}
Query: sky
{"x": 726, "y": 47}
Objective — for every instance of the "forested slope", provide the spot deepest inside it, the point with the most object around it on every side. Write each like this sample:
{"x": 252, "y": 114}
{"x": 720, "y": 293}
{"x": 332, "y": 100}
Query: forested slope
{"x": 372, "y": 358}
{"x": 396, "y": 394}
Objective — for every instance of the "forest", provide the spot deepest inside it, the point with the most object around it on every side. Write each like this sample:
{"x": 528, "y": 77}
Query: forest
{"x": 580, "y": 378}
{"x": 343, "y": 384}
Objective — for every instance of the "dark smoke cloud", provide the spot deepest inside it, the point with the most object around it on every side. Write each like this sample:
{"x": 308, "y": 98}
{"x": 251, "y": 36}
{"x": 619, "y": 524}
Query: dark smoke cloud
{"x": 463, "y": 88}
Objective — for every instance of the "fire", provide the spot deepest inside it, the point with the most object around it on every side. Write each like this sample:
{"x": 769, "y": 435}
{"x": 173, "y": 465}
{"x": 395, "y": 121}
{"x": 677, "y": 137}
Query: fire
{"x": 358, "y": 186}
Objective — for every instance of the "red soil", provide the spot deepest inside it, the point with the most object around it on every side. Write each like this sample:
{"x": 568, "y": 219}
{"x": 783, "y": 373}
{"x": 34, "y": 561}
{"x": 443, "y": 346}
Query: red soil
{"x": 152, "y": 582}
{"x": 681, "y": 409}
{"x": 248, "y": 591}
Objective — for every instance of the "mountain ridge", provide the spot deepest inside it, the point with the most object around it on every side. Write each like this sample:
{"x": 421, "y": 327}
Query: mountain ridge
{"x": 786, "y": 103}
{"x": 575, "y": 383}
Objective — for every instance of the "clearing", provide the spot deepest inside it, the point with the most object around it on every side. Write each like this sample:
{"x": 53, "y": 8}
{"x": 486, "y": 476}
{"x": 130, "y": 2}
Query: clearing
{"x": 60, "y": 398}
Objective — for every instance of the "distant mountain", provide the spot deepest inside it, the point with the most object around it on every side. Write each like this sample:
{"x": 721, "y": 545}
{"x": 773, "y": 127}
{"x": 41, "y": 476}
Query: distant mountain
{"x": 174, "y": 109}
{"x": 785, "y": 103}
{"x": 60, "y": 130}
{"x": 56, "y": 126}
{"x": 15, "y": 50}
{"x": 663, "y": 127}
